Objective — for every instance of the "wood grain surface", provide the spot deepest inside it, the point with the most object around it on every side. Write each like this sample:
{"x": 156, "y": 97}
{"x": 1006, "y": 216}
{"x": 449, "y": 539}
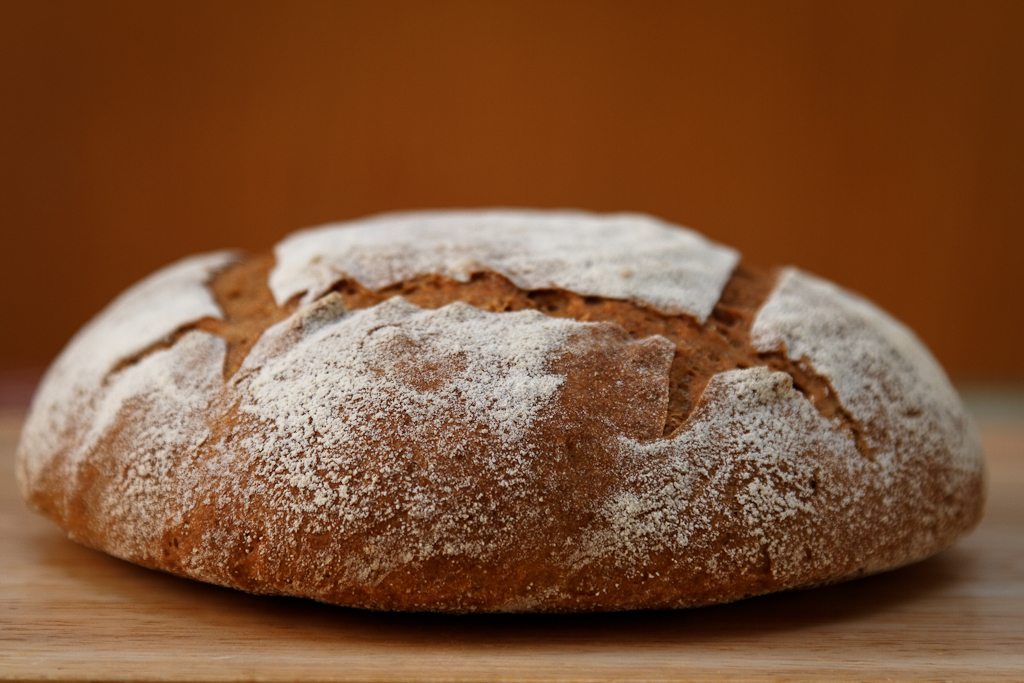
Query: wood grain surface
{"x": 70, "y": 613}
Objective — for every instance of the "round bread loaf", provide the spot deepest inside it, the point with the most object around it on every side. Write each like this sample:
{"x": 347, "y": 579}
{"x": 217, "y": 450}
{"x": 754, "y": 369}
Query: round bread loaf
{"x": 501, "y": 411}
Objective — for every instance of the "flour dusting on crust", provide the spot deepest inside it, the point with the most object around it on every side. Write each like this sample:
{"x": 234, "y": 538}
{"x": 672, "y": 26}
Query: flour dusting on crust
{"x": 160, "y": 407}
{"x": 448, "y": 415}
{"x": 456, "y": 365}
{"x": 620, "y": 256}
{"x": 147, "y": 313}
{"x": 882, "y": 374}
{"x": 756, "y": 464}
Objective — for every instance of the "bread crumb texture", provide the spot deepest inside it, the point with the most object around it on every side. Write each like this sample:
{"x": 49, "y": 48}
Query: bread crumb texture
{"x": 501, "y": 411}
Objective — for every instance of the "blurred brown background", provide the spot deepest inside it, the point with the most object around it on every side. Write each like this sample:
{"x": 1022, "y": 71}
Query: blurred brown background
{"x": 879, "y": 144}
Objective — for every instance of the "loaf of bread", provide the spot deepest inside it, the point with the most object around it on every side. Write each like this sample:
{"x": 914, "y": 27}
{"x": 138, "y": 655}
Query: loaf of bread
{"x": 501, "y": 411}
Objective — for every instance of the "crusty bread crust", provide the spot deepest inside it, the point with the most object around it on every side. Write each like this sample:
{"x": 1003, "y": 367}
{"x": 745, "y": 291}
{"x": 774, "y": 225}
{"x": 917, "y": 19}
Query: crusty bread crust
{"x": 398, "y": 415}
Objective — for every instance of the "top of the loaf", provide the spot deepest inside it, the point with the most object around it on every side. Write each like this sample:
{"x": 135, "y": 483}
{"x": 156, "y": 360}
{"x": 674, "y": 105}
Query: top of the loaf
{"x": 620, "y": 256}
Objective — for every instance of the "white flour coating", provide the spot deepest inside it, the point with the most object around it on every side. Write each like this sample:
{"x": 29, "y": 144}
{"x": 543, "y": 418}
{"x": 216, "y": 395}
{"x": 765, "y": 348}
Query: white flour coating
{"x": 146, "y": 313}
{"x": 881, "y": 373}
{"x": 455, "y": 364}
{"x": 323, "y": 395}
{"x": 619, "y": 256}
{"x": 162, "y": 403}
{"x": 757, "y": 442}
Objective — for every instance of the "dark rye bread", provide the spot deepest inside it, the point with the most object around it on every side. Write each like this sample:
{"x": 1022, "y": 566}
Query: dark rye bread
{"x": 488, "y": 411}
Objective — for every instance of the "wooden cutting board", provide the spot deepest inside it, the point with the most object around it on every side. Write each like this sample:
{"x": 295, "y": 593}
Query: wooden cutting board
{"x": 70, "y": 613}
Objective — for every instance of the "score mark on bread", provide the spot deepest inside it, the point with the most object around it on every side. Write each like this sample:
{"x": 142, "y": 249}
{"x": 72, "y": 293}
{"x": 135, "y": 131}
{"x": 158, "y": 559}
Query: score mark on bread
{"x": 501, "y": 411}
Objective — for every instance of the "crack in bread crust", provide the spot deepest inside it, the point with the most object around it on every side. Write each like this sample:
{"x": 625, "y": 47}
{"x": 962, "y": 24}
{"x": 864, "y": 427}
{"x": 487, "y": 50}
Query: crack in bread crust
{"x": 720, "y": 344}
{"x": 249, "y": 308}
{"x": 240, "y": 291}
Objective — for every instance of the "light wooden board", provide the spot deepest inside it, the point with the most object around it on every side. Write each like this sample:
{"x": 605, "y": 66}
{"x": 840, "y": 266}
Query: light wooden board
{"x": 70, "y": 613}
